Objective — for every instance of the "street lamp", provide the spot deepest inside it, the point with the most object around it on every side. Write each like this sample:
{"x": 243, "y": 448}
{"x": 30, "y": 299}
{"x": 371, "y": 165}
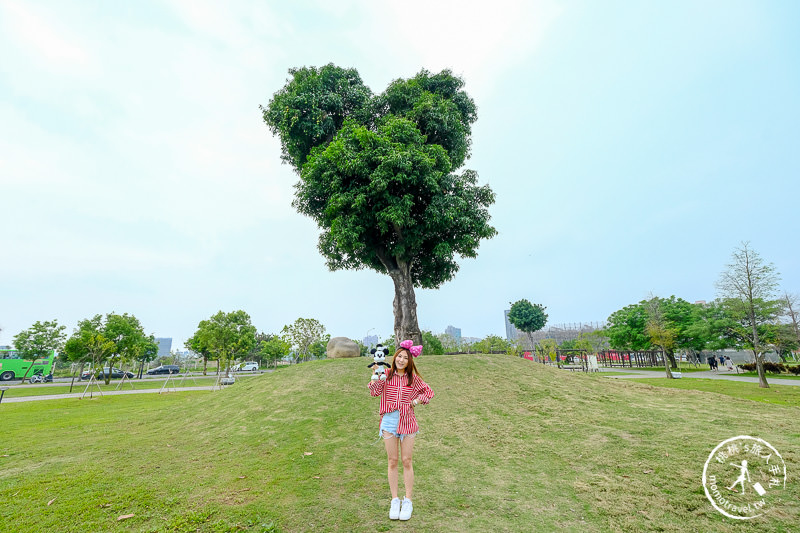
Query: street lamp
{"x": 367, "y": 335}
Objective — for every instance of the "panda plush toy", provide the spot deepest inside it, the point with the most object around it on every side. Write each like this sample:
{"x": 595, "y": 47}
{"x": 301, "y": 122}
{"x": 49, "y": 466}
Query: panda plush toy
{"x": 379, "y": 354}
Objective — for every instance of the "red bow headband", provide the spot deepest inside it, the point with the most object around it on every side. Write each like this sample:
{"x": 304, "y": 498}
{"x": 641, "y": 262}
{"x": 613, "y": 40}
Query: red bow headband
{"x": 416, "y": 351}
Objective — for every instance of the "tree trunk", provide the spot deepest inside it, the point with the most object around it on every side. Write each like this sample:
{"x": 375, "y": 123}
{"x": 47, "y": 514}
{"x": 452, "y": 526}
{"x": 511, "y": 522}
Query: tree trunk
{"x": 762, "y": 376}
{"x": 406, "y": 325}
{"x": 80, "y": 371}
{"x": 666, "y": 366}
{"x": 672, "y": 362}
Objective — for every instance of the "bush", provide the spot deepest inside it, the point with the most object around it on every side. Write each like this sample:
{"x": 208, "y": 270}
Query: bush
{"x": 748, "y": 367}
{"x": 794, "y": 369}
{"x": 774, "y": 368}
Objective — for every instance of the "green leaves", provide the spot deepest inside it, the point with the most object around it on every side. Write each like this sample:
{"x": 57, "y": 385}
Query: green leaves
{"x": 376, "y": 173}
{"x": 40, "y": 339}
{"x": 303, "y": 334}
{"x": 313, "y": 106}
{"x": 226, "y": 336}
{"x": 526, "y": 316}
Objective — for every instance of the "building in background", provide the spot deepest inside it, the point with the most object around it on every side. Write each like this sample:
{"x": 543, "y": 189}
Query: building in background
{"x": 164, "y": 345}
{"x": 558, "y": 332}
{"x": 511, "y": 332}
{"x": 370, "y": 341}
{"x": 455, "y": 333}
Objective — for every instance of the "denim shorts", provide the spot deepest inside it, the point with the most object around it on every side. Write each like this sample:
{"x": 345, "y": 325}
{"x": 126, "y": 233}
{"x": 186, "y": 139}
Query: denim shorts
{"x": 390, "y": 423}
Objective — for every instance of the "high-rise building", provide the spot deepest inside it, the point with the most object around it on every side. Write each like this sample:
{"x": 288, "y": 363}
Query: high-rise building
{"x": 511, "y": 332}
{"x": 455, "y": 333}
{"x": 164, "y": 345}
{"x": 370, "y": 341}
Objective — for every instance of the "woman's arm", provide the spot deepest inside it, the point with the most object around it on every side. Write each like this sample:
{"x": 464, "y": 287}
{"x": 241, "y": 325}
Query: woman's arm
{"x": 376, "y": 387}
{"x": 424, "y": 392}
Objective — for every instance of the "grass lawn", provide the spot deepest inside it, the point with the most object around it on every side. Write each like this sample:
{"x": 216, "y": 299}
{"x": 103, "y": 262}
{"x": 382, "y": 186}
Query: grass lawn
{"x": 16, "y": 391}
{"x": 684, "y": 367}
{"x": 769, "y": 376}
{"x": 775, "y": 394}
{"x": 506, "y": 445}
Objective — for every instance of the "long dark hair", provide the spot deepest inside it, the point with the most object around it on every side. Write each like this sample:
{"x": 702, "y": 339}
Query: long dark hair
{"x": 411, "y": 368}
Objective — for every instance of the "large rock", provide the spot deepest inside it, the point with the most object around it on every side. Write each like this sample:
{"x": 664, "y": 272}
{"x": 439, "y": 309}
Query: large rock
{"x": 340, "y": 347}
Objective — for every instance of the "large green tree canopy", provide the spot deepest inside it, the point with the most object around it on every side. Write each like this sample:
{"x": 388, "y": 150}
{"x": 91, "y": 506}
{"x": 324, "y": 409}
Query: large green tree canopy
{"x": 378, "y": 175}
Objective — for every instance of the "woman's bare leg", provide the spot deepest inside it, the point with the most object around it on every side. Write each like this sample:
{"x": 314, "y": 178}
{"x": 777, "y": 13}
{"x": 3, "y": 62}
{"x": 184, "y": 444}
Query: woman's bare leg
{"x": 406, "y": 452}
{"x": 391, "y": 453}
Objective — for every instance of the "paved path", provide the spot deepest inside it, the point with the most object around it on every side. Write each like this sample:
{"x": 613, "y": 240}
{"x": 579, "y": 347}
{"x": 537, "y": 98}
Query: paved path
{"x": 705, "y": 374}
{"x": 96, "y": 394}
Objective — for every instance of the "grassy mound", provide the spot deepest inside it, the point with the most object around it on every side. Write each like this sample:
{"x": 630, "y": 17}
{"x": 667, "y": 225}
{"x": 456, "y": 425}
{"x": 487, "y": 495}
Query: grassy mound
{"x": 506, "y": 445}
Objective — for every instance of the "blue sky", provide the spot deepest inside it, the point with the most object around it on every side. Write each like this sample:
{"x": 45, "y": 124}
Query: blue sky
{"x": 632, "y": 147}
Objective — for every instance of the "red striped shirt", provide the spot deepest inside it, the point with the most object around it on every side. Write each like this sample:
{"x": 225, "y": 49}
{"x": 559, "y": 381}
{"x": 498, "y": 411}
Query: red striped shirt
{"x": 396, "y": 395}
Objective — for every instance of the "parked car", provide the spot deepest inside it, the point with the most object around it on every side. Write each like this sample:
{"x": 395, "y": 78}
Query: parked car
{"x": 249, "y": 366}
{"x": 115, "y": 372}
{"x": 164, "y": 369}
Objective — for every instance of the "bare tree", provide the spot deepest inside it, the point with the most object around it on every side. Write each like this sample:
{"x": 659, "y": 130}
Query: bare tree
{"x": 748, "y": 287}
{"x": 791, "y": 302}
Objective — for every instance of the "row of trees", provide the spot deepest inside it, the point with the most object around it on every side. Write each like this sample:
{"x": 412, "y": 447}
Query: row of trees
{"x": 227, "y": 337}
{"x": 114, "y": 339}
{"x": 98, "y": 340}
{"x": 748, "y": 314}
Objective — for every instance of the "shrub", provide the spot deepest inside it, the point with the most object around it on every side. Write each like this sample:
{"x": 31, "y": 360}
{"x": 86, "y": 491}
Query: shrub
{"x": 748, "y": 367}
{"x": 794, "y": 369}
{"x": 774, "y": 368}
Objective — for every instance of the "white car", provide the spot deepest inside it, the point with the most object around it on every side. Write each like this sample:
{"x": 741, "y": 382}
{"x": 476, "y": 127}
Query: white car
{"x": 250, "y": 366}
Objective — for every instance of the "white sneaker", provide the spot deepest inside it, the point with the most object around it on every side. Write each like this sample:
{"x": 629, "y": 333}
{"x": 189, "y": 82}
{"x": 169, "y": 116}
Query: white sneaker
{"x": 394, "y": 510}
{"x": 405, "y": 511}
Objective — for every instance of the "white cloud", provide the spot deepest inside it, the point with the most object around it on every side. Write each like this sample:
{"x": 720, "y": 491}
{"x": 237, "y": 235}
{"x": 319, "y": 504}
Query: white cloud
{"x": 38, "y": 35}
{"x": 480, "y": 42}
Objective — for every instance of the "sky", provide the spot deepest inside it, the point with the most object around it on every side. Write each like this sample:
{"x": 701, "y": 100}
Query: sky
{"x": 632, "y": 147}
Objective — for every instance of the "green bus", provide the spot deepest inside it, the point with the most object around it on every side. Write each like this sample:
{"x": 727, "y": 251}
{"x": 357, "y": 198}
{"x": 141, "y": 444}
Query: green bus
{"x": 12, "y": 366}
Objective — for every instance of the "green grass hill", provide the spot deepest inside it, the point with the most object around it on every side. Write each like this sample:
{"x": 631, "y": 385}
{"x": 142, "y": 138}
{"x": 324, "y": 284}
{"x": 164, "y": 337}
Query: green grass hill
{"x": 506, "y": 445}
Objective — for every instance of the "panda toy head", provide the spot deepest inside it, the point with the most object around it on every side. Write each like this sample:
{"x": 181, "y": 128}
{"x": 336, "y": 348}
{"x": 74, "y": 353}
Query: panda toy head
{"x": 379, "y": 353}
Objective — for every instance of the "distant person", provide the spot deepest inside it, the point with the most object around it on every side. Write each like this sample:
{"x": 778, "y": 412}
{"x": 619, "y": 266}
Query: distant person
{"x": 402, "y": 390}
{"x": 712, "y": 363}
{"x": 728, "y": 363}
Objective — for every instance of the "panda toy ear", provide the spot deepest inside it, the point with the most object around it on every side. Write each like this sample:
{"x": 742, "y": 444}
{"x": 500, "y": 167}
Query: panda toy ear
{"x": 372, "y": 351}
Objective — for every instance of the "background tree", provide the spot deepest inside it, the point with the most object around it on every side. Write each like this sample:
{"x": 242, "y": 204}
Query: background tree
{"x": 546, "y": 349}
{"x": 661, "y": 331}
{"x": 39, "y": 341}
{"x": 594, "y": 341}
{"x": 319, "y": 348}
{"x": 129, "y": 339}
{"x": 491, "y": 344}
{"x": 627, "y": 328}
{"x": 388, "y": 343}
{"x": 781, "y": 338}
{"x": 527, "y": 317}
{"x": 303, "y": 333}
{"x": 431, "y": 343}
{"x": 377, "y": 175}
{"x": 88, "y": 344}
{"x": 229, "y": 335}
{"x": 274, "y": 349}
{"x": 199, "y": 343}
{"x": 747, "y": 288}
{"x": 791, "y": 311}
{"x": 148, "y": 352}
{"x": 449, "y": 343}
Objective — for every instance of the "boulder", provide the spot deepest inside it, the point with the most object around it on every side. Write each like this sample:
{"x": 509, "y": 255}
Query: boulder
{"x": 341, "y": 347}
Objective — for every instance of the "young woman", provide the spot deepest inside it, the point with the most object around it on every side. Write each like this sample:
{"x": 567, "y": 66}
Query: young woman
{"x": 400, "y": 393}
